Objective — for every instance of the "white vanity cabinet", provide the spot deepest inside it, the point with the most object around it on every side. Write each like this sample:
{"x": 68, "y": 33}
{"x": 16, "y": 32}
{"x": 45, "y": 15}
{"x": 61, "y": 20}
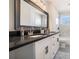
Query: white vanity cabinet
{"x": 42, "y": 49}
{"x": 38, "y": 50}
{"x": 49, "y": 45}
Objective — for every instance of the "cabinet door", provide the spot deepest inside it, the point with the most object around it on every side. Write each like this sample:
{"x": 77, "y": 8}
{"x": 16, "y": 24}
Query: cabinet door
{"x": 25, "y": 52}
{"x": 48, "y": 55}
{"x": 25, "y": 13}
{"x": 52, "y": 46}
{"x": 57, "y": 42}
{"x": 12, "y": 54}
{"x": 42, "y": 49}
{"x": 55, "y": 45}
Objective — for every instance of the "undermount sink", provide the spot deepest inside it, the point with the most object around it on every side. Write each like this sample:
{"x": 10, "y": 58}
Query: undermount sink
{"x": 35, "y": 36}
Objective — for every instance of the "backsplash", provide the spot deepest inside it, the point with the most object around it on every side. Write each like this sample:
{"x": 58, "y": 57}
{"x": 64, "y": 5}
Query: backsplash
{"x": 18, "y": 33}
{"x": 14, "y": 33}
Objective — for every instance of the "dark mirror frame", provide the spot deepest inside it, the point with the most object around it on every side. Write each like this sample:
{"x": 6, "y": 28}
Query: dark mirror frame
{"x": 17, "y": 13}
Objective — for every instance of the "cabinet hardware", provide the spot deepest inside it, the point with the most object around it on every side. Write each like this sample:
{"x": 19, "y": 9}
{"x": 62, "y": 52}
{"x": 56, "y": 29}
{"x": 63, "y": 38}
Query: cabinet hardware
{"x": 46, "y": 49}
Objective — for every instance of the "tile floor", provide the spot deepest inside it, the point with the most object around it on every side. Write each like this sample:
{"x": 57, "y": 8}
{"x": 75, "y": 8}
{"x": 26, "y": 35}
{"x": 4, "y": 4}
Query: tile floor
{"x": 63, "y": 53}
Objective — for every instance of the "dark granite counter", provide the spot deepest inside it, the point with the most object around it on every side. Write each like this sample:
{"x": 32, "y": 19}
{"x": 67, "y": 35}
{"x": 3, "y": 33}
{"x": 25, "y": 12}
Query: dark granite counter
{"x": 17, "y": 42}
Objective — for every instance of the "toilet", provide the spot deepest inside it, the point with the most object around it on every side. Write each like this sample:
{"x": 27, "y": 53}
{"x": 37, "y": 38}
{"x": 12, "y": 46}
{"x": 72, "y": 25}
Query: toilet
{"x": 64, "y": 41}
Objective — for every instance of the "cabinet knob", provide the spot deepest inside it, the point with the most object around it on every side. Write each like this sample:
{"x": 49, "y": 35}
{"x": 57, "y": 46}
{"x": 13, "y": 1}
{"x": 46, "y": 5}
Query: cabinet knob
{"x": 46, "y": 49}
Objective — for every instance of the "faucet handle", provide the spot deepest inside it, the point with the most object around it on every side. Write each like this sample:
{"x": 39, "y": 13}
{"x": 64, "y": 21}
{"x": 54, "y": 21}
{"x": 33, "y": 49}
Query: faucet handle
{"x": 22, "y": 31}
{"x": 30, "y": 32}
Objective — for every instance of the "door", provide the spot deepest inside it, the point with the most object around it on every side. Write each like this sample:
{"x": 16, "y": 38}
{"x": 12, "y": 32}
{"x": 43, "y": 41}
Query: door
{"x": 42, "y": 49}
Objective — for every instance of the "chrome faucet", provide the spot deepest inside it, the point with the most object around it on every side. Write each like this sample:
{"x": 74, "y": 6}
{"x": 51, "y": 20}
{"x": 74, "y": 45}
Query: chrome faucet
{"x": 22, "y": 32}
{"x": 31, "y": 31}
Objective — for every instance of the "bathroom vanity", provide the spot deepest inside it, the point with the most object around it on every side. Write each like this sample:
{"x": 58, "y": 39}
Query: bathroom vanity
{"x": 42, "y": 47}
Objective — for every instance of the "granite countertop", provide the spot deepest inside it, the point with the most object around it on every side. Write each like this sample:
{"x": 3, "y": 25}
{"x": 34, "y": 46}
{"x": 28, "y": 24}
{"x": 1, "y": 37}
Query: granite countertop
{"x": 17, "y": 42}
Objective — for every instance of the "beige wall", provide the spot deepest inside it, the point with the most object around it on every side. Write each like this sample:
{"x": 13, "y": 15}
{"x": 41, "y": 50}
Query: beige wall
{"x": 41, "y": 5}
{"x": 11, "y": 15}
{"x": 53, "y": 14}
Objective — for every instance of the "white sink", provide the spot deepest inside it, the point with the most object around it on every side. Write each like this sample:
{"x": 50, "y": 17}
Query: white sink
{"x": 34, "y": 36}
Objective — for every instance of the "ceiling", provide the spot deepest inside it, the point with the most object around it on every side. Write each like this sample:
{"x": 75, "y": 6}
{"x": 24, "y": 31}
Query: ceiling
{"x": 61, "y": 5}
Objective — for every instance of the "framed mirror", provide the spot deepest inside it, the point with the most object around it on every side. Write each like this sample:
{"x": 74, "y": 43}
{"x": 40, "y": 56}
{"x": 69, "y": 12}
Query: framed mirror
{"x": 28, "y": 13}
